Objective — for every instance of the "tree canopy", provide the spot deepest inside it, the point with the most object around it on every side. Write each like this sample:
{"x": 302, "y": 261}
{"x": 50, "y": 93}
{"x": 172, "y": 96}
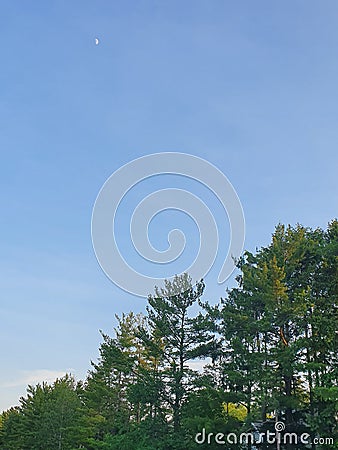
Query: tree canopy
{"x": 267, "y": 352}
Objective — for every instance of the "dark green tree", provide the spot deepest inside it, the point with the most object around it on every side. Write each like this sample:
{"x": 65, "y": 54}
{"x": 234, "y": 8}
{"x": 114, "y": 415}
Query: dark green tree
{"x": 277, "y": 349}
{"x": 179, "y": 336}
{"x": 50, "y": 417}
{"x": 108, "y": 383}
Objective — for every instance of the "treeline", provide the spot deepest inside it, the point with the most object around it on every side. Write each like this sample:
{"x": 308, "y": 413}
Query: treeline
{"x": 269, "y": 350}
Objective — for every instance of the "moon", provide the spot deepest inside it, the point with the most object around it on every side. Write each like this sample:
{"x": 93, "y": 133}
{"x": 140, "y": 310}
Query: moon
{"x": 97, "y": 41}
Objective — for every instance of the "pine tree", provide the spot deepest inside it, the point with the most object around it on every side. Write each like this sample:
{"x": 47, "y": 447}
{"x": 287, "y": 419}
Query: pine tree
{"x": 106, "y": 388}
{"x": 49, "y": 417}
{"x": 179, "y": 338}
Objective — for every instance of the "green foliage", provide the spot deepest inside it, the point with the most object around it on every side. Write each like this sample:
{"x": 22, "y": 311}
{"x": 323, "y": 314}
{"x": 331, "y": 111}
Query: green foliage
{"x": 49, "y": 417}
{"x": 272, "y": 352}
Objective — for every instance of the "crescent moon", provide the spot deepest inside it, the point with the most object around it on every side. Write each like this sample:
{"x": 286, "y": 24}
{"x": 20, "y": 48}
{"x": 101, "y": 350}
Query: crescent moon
{"x": 97, "y": 41}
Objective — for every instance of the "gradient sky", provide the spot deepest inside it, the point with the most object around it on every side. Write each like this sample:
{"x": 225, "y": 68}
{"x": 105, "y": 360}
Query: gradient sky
{"x": 249, "y": 86}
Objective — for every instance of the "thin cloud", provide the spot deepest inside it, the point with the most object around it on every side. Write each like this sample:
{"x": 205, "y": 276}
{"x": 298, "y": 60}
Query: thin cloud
{"x": 34, "y": 377}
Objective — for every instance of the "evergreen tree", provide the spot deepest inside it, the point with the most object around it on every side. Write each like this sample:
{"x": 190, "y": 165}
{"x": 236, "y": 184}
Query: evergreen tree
{"x": 179, "y": 335}
{"x": 50, "y": 417}
{"x": 272, "y": 342}
{"x": 106, "y": 388}
{"x": 277, "y": 330}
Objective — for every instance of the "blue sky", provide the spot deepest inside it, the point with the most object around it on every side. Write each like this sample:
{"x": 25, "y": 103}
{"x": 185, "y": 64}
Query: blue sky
{"x": 249, "y": 86}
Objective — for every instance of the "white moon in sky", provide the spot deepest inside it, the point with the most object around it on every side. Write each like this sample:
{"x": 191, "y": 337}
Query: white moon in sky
{"x": 97, "y": 41}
